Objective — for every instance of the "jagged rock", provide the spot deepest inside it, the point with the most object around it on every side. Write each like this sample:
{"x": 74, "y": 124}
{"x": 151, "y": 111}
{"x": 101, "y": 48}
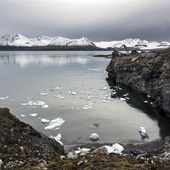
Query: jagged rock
{"x": 147, "y": 72}
{"x": 19, "y": 142}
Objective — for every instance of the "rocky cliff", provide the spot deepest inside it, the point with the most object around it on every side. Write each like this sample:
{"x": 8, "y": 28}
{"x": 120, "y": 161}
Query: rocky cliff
{"x": 147, "y": 72}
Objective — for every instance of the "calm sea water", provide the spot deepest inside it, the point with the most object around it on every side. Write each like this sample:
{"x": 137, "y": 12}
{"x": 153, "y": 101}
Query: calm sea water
{"x": 72, "y": 85}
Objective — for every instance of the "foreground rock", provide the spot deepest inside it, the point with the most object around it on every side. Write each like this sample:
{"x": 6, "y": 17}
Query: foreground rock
{"x": 23, "y": 146}
{"x": 147, "y": 72}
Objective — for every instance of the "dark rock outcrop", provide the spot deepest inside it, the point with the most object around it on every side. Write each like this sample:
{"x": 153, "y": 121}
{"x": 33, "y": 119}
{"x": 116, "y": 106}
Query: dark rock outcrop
{"x": 147, "y": 72}
{"x": 21, "y": 145}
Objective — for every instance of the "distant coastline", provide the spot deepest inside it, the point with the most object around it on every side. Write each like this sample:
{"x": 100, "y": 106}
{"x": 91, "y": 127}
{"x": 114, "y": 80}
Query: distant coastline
{"x": 51, "y": 48}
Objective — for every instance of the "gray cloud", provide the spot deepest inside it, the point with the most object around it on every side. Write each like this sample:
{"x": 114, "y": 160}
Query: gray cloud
{"x": 95, "y": 19}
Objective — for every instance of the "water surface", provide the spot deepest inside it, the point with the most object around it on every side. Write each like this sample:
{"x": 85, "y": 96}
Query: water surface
{"x": 73, "y": 85}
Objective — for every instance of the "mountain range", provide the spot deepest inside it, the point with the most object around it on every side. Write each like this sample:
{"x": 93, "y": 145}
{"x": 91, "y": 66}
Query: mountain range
{"x": 18, "y": 41}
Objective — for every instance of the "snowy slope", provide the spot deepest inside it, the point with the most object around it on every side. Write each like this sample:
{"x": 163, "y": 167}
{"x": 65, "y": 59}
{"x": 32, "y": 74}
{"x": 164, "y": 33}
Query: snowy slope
{"x": 136, "y": 43}
{"x": 18, "y": 40}
{"x": 22, "y": 41}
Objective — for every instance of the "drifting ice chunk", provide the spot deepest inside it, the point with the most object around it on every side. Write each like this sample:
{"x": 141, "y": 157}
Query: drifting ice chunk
{"x": 29, "y": 103}
{"x": 143, "y": 133}
{"x": 34, "y": 114}
{"x": 3, "y": 98}
{"x": 55, "y": 124}
{"x": 58, "y": 88}
{"x": 22, "y": 115}
{"x": 43, "y": 94}
{"x": 122, "y": 99}
{"x": 86, "y": 107}
{"x": 38, "y": 103}
{"x": 94, "y": 137}
{"x": 125, "y": 94}
{"x": 74, "y": 93}
{"x": 57, "y": 138}
{"x": 44, "y": 120}
{"x": 45, "y": 106}
{"x": 60, "y": 97}
{"x": 106, "y": 101}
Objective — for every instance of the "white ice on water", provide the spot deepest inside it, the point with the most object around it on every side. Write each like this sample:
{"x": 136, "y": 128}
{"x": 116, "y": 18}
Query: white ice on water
{"x": 55, "y": 124}
{"x": 4, "y": 98}
{"x": 33, "y": 114}
{"x": 44, "y": 120}
{"x": 57, "y": 138}
{"x": 43, "y": 94}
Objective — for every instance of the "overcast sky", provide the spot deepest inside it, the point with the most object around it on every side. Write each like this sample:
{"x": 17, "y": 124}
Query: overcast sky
{"x": 95, "y": 19}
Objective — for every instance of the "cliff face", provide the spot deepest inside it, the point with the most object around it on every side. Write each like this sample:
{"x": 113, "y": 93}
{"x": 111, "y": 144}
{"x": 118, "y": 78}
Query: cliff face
{"x": 145, "y": 72}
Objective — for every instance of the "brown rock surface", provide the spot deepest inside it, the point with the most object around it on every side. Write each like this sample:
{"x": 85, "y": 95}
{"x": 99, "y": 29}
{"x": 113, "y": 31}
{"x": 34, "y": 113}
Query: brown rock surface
{"x": 21, "y": 145}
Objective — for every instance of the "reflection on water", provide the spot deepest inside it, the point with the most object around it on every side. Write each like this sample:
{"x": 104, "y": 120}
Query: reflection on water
{"x": 73, "y": 85}
{"x": 142, "y": 103}
{"x": 44, "y": 59}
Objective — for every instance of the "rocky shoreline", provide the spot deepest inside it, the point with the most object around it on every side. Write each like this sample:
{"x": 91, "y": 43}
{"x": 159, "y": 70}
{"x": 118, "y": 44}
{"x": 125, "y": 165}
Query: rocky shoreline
{"x": 146, "y": 72}
{"x": 22, "y": 147}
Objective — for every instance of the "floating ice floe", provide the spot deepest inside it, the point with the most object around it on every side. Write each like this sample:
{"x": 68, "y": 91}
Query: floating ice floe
{"x": 43, "y": 94}
{"x": 143, "y": 133}
{"x": 33, "y": 114}
{"x": 4, "y": 98}
{"x": 105, "y": 101}
{"x": 122, "y": 99}
{"x": 125, "y": 94}
{"x": 57, "y": 138}
{"x": 146, "y": 101}
{"x": 45, "y": 106}
{"x": 38, "y": 103}
{"x": 58, "y": 88}
{"x": 73, "y": 93}
{"x": 44, "y": 120}
{"x": 94, "y": 69}
{"x": 94, "y": 137}
{"x": 103, "y": 88}
{"x": 86, "y": 107}
{"x": 22, "y": 115}
{"x": 114, "y": 92}
{"x": 29, "y": 103}
{"x": 55, "y": 124}
{"x": 60, "y": 97}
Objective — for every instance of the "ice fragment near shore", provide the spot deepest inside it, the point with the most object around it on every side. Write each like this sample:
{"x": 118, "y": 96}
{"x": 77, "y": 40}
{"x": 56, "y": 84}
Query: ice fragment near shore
{"x": 94, "y": 137}
{"x": 115, "y": 148}
{"x": 55, "y": 124}
{"x": 57, "y": 138}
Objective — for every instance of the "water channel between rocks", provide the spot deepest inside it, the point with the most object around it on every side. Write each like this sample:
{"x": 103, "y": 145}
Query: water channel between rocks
{"x": 73, "y": 86}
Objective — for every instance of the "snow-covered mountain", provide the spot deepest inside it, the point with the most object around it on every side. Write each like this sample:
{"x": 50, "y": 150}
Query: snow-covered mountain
{"x": 22, "y": 41}
{"x": 133, "y": 43}
{"x": 18, "y": 40}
